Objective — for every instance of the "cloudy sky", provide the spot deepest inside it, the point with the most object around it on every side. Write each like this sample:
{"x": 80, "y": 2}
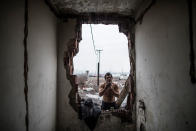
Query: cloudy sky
{"x": 114, "y": 57}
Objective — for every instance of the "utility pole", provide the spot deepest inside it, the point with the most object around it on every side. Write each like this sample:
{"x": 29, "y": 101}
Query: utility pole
{"x": 98, "y": 66}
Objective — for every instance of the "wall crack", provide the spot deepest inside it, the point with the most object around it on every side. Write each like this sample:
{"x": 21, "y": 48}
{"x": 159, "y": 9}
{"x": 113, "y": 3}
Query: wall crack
{"x": 26, "y": 64}
{"x": 191, "y": 55}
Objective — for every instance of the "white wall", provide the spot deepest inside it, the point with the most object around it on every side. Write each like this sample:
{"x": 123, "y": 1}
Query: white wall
{"x": 42, "y": 60}
{"x": 162, "y": 68}
{"x": 42, "y": 51}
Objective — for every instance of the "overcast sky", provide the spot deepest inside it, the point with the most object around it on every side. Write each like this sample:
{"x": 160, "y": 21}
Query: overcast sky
{"x": 114, "y": 57}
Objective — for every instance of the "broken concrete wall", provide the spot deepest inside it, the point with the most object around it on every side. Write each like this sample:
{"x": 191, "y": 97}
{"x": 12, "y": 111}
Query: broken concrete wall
{"x": 67, "y": 117}
{"x": 42, "y": 62}
{"x": 162, "y": 68}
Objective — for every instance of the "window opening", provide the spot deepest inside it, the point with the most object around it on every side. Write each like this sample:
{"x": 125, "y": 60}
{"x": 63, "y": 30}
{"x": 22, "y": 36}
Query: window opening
{"x": 114, "y": 58}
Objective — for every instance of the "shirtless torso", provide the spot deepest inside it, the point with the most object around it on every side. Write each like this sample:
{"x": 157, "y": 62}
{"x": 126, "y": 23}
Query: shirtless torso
{"x": 109, "y": 92}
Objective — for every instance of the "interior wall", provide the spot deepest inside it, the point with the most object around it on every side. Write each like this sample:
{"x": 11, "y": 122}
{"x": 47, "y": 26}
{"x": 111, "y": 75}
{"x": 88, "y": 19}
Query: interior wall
{"x": 162, "y": 68}
{"x": 67, "y": 117}
{"x": 42, "y": 51}
{"x": 42, "y": 61}
{"x": 194, "y": 29}
{"x": 12, "y": 109}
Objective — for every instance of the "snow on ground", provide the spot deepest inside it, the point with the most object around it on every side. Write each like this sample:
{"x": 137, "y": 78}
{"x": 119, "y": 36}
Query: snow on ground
{"x": 88, "y": 89}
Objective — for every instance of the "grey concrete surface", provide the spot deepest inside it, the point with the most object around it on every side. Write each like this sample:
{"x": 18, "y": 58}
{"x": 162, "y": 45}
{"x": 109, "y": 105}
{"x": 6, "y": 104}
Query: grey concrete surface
{"x": 12, "y": 107}
{"x": 124, "y": 7}
{"x": 42, "y": 49}
{"x": 42, "y": 62}
{"x": 67, "y": 117}
{"x": 162, "y": 68}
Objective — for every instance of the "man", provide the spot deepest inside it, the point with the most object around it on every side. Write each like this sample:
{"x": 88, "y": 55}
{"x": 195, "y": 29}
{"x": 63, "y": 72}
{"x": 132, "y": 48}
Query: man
{"x": 109, "y": 91}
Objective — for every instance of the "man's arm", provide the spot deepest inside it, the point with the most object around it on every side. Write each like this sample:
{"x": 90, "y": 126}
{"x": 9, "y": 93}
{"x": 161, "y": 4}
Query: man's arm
{"x": 115, "y": 90}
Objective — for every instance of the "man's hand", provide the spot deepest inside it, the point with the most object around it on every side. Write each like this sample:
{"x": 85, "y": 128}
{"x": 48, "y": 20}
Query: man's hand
{"x": 103, "y": 88}
{"x": 108, "y": 84}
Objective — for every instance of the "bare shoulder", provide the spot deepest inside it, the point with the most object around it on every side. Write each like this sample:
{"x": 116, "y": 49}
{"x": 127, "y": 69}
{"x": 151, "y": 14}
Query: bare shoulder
{"x": 115, "y": 85}
{"x": 102, "y": 85}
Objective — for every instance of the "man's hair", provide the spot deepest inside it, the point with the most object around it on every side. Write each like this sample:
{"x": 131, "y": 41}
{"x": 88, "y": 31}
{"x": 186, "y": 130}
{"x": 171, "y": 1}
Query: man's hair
{"x": 107, "y": 74}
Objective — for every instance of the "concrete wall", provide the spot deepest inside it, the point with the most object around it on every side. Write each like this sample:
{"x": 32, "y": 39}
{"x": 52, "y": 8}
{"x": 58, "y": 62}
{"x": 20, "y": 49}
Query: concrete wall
{"x": 42, "y": 51}
{"x": 42, "y": 62}
{"x": 67, "y": 117}
{"x": 162, "y": 67}
{"x": 12, "y": 108}
{"x": 194, "y": 27}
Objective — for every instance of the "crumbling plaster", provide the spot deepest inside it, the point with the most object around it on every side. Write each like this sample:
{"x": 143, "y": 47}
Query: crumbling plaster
{"x": 69, "y": 36}
{"x": 123, "y": 7}
{"x": 67, "y": 118}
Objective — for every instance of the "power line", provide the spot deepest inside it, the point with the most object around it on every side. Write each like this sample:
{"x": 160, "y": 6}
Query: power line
{"x": 98, "y": 55}
{"x": 93, "y": 39}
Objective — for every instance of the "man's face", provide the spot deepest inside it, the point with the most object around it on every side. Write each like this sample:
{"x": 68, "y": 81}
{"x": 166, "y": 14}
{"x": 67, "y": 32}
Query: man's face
{"x": 108, "y": 79}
